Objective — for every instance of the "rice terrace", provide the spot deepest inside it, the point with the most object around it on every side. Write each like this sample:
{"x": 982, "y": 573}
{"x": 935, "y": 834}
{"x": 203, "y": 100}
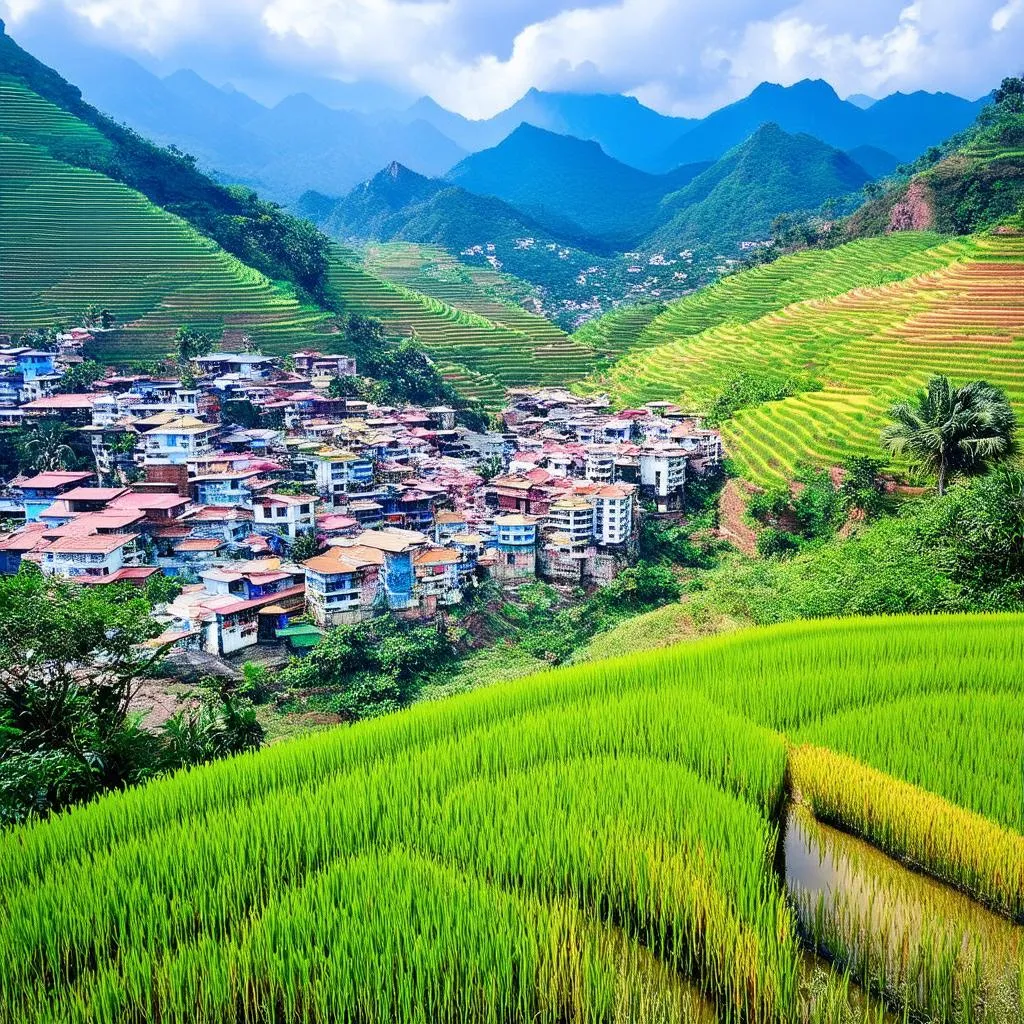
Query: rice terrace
{"x": 511, "y": 516}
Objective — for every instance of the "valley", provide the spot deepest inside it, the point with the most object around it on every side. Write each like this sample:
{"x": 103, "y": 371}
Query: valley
{"x": 559, "y": 565}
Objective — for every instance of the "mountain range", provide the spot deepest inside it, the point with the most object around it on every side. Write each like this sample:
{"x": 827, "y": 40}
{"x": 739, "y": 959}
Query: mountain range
{"x": 307, "y": 141}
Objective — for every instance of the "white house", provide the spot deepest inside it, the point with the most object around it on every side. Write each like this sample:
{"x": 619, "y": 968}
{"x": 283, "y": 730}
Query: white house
{"x": 286, "y": 514}
{"x": 98, "y": 555}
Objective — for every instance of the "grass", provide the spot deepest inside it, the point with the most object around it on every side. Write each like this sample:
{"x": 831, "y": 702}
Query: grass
{"x": 871, "y": 320}
{"x": 516, "y": 852}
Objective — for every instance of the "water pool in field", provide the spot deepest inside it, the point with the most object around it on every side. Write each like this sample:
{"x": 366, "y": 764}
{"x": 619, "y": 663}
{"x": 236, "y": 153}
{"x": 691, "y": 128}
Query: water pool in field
{"x": 918, "y": 942}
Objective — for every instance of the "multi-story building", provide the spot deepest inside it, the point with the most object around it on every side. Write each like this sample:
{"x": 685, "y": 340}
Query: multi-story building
{"x": 95, "y": 555}
{"x": 515, "y": 547}
{"x": 663, "y": 476}
{"x": 175, "y": 442}
{"x": 285, "y": 514}
{"x": 339, "y": 473}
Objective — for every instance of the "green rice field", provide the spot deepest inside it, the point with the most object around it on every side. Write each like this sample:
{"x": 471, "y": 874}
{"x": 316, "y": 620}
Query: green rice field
{"x": 596, "y": 843}
{"x": 481, "y": 344}
{"x": 869, "y": 321}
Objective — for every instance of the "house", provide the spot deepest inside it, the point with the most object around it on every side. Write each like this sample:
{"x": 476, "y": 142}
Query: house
{"x": 39, "y": 492}
{"x": 339, "y": 472}
{"x": 32, "y": 363}
{"x": 316, "y": 364}
{"x": 242, "y": 609}
{"x": 290, "y": 515}
{"x": 663, "y": 475}
{"x": 439, "y": 577}
{"x": 75, "y": 410}
{"x": 176, "y": 441}
{"x": 344, "y": 585}
{"x": 246, "y": 365}
{"x": 95, "y": 555}
{"x": 231, "y": 486}
{"x": 515, "y": 546}
{"x": 448, "y": 524}
{"x": 398, "y": 548}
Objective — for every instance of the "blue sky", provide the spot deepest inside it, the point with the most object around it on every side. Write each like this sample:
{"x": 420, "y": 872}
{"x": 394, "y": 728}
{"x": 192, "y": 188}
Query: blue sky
{"x": 478, "y": 56}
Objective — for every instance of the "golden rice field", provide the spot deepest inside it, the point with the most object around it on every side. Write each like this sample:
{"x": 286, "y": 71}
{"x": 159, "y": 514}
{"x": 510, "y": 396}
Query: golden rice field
{"x": 598, "y": 843}
{"x": 956, "y": 307}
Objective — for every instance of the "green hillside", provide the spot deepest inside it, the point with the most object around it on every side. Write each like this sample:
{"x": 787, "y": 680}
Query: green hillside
{"x": 856, "y": 328}
{"x": 737, "y": 198}
{"x": 595, "y": 844}
{"x": 73, "y": 237}
{"x": 482, "y": 354}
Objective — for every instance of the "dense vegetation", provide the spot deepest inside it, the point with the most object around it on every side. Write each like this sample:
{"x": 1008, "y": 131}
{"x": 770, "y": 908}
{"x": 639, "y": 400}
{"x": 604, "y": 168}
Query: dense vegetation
{"x": 72, "y": 660}
{"x": 575, "y": 833}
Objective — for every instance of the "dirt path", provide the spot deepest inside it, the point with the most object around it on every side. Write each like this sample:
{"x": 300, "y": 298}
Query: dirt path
{"x": 732, "y": 505}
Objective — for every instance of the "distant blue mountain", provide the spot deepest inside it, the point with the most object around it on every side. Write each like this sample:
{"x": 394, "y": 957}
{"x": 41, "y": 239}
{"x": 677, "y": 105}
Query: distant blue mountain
{"x": 904, "y": 125}
{"x": 570, "y": 185}
{"x": 623, "y": 127}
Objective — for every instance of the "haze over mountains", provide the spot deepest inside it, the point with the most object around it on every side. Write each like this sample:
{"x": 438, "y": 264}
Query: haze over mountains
{"x": 308, "y": 142}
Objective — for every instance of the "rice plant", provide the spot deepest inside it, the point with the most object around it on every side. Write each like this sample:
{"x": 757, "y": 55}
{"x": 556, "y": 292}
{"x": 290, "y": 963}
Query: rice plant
{"x": 596, "y": 843}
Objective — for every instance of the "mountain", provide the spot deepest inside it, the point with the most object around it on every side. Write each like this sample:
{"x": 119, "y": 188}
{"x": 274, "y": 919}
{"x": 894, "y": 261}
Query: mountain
{"x": 859, "y": 99}
{"x": 904, "y": 125}
{"x": 737, "y": 198}
{"x": 877, "y": 162}
{"x": 623, "y": 127}
{"x": 563, "y": 182}
{"x": 398, "y": 204}
{"x": 298, "y": 144}
{"x": 973, "y": 182}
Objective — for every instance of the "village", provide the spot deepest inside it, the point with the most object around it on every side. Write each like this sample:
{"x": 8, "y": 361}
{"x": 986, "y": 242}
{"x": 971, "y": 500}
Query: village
{"x": 329, "y": 510}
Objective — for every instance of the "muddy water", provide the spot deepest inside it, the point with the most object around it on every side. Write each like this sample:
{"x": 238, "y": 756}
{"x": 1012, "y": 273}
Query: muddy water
{"x": 921, "y": 943}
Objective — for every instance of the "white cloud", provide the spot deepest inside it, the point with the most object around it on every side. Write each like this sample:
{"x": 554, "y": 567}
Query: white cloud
{"x": 1006, "y": 14}
{"x": 477, "y": 56}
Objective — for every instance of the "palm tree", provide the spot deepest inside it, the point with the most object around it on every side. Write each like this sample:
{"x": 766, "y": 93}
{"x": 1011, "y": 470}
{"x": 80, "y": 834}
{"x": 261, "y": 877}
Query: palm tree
{"x": 47, "y": 450}
{"x": 952, "y": 431}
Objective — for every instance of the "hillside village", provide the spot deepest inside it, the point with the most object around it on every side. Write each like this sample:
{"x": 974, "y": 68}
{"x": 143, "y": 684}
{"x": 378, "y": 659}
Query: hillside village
{"x": 326, "y": 510}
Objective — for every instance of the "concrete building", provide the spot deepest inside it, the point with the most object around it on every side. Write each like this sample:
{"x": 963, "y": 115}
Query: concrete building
{"x": 285, "y": 514}
{"x": 95, "y": 555}
{"x": 515, "y": 545}
{"x": 339, "y": 473}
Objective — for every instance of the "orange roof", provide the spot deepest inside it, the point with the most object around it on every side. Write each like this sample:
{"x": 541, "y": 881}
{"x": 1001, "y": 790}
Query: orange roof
{"x": 199, "y": 544}
{"x": 437, "y": 556}
{"x": 102, "y": 543}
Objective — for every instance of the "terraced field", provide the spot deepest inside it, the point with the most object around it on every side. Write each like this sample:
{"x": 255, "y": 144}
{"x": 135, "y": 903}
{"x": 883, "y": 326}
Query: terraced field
{"x": 638, "y": 839}
{"x": 481, "y": 355}
{"x": 954, "y": 308}
{"x": 73, "y": 237}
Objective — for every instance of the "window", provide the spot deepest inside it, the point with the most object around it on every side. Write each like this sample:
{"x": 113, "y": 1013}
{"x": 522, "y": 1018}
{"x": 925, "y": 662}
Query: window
{"x": 282, "y": 512}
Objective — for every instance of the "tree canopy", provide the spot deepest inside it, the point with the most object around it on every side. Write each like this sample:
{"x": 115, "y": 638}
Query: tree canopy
{"x": 952, "y": 431}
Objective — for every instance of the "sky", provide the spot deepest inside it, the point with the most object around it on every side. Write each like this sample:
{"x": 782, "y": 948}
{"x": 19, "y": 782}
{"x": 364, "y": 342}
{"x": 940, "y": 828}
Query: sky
{"x": 477, "y": 57}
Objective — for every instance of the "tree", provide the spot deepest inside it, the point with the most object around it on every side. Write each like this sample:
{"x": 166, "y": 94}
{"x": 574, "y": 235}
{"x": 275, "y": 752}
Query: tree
{"x": 1010, "y": 95}
{"x": 952, "y": 431}
{"x": 97, "y": 317}
{"x": 80, "y": 377}
{"x": 191, "y": 343}
{"x": 306, "y": 546}
{"x": 47, "y": 448}
{"x": 71, "y": 661}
